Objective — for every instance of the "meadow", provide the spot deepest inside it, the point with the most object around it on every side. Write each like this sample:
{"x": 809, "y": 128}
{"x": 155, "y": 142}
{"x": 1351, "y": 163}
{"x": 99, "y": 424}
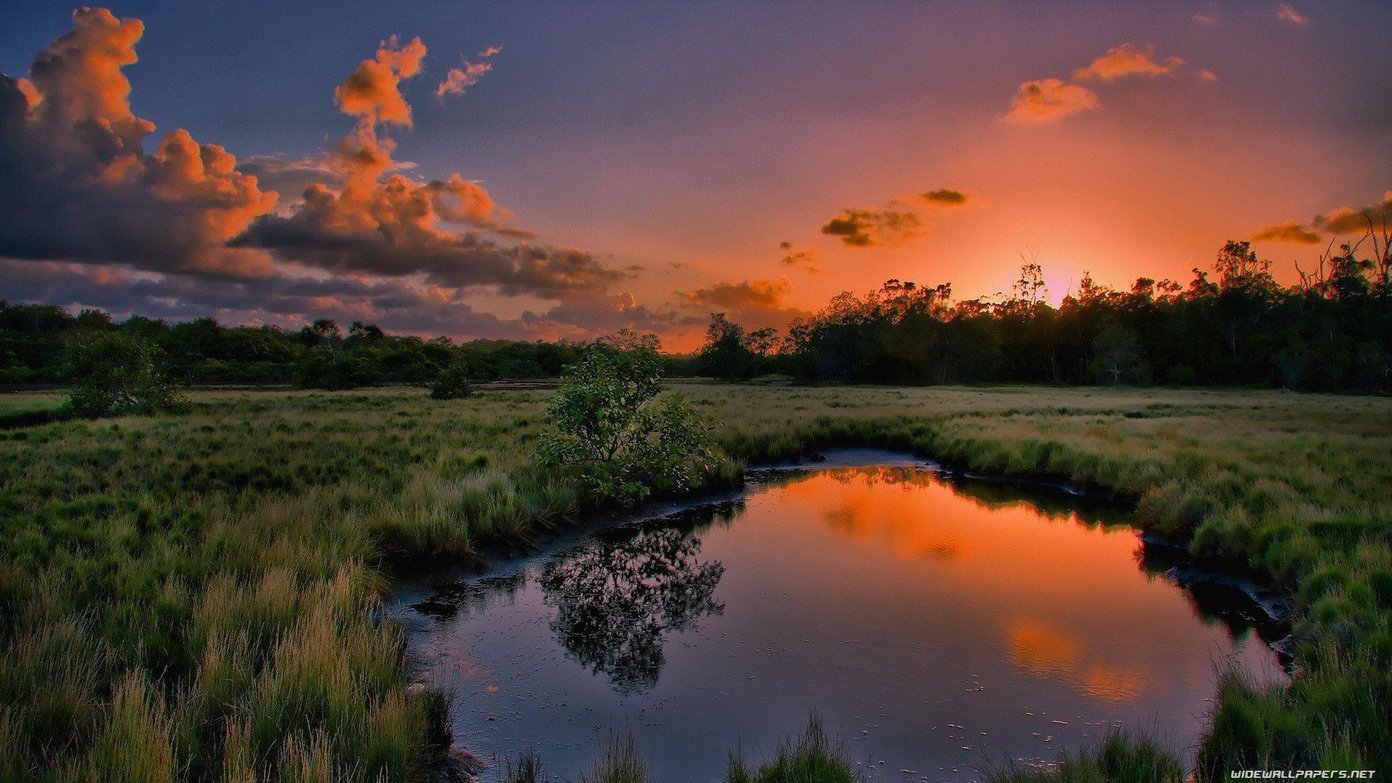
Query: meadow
{"x": 196, "y": 596}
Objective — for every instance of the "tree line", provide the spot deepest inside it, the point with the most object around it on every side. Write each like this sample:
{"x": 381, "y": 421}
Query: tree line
{"x": 1231, "y": 326}
{"x": 44, "y": 344}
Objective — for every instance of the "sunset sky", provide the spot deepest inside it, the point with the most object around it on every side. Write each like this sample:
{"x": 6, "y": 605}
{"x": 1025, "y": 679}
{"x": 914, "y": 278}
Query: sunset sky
{"x": 563, "y": 170}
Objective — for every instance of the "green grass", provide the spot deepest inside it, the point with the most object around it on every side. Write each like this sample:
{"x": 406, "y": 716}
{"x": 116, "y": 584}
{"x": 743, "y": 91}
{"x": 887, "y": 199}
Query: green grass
{"x": 813, "y": 757}
{"x": 201, "y": 590}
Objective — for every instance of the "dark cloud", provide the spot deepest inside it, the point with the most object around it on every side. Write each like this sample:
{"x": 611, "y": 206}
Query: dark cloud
{"x": 866, "y": 227}
{"x": 290, "y": 176}
{"x": 806, "y": 259}
{"x": 945, "y": 197}
{"x": 397, "y": 305}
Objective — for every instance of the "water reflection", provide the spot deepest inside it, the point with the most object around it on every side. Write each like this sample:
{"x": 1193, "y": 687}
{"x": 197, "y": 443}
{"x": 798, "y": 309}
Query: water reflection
{"x": 616, "y": 600}
{"x": 930, "y": 619}
{"x": 1045, "y": 650}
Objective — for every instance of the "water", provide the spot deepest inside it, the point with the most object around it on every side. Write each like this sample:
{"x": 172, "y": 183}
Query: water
{"x": 939, "y": 626}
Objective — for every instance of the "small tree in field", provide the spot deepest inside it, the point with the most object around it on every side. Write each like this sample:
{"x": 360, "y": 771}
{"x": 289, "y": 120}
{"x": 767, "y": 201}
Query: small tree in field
{"x": 624, "y": 440}
{"x": 116, "y": 374}
{"x": 452, "y": 383}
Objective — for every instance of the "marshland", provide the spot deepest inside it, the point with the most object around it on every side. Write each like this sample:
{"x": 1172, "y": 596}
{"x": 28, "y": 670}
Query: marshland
{"x": 215, "y": 607}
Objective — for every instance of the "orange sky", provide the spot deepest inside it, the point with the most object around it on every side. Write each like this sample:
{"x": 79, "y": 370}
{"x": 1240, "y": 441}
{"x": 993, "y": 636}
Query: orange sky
{"x": 519, "y": 173}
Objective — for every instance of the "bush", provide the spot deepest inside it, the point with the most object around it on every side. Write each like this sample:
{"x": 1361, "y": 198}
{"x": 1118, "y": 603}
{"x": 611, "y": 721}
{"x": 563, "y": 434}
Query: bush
{"x": 623, "y": 442}
{"x": 451, "y": 384}
{"x": 116, "y": 374}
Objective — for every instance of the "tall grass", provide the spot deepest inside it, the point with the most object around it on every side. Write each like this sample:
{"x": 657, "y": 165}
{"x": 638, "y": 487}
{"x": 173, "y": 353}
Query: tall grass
{"x": 209, "y": 582}
{"x": 813, "y": 757}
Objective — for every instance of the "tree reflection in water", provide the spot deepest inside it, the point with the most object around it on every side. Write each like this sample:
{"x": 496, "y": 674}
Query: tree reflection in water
{"x": 615, "y": 600}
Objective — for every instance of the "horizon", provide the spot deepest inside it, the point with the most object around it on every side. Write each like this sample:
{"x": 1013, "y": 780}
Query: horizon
{"x": 563, "y": 172}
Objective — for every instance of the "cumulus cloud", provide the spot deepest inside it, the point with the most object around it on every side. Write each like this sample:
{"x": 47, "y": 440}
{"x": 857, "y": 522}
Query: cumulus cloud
{"x": 78, "y": 184}
{"x": 385, "y": 223}
{"x": 1044, "y": 101}
{"x": 1287, "y": 232}
{"x": 1128, "y": 60}
{"x": 458, "y": 80}
{"x": 806, "y": 259}
{"x": 1287, "y": 13}
{"x": 89, "y": 218}
{"x": 945, "y": 197}
{"x": 372, "y": 92}
{"x": 868, "y": 227}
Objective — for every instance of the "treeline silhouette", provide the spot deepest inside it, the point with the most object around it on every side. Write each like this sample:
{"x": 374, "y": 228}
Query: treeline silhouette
{"x": 37, "y": 346}
{"x": 1332, "y": 330}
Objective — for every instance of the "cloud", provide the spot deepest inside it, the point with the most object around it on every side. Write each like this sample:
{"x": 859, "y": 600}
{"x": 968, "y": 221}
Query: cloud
{"x": 291, "y": 176}
{"x": 807, "y": 259}
{"x": 1287, "y": 232}
{"x": 753, "y": 303}
{"x": 1206, "y": 19}
{"x": 1127, "y": 60}
{"x": 372, "y": 92}
{"x": 384, "y": 223}
{"x": 944, "y": 197}
{"x": 78, "y": 184}
{"x": 403, "y": 306}
{"x": 1287, "y": 13}
{"x": 1044, "y": 101}
{"x": 458, "y": 80}
{"x": 1344, "y": 220}
{"x": 1355, "y": 220}
{"x": 868, "y": 227}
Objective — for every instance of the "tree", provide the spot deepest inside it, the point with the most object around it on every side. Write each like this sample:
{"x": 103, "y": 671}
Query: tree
{"x": 726, "y": 353}
{"x": 622, "y": 440}
{"x": 1116, "y": 354}
{"x": 762, "y": 341}
{"x": 115, "y": 374}
{"x": 452, "y": 383}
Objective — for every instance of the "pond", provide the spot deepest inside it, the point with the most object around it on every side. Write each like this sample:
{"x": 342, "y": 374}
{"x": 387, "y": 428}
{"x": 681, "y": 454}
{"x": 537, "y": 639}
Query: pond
{"x": 939, "y": 625}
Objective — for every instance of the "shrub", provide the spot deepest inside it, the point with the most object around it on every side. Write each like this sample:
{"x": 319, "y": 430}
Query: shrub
{"x": 451, "y": 384}
{"x": 116, "y": 374}
{"x": 623, "y": 442}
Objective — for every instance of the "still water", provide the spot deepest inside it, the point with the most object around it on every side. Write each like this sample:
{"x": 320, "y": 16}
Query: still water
{"x": 938, "y": 625}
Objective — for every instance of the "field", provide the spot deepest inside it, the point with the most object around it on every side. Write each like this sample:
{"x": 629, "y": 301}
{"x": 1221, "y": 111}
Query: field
{"x": 194, "y": 596}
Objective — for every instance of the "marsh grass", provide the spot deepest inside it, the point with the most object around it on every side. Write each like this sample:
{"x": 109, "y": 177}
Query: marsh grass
{"x": 1120, "y": 758}
{"x": 813, "y": 757}
{"x": 209, "y": 582}
{"x": 618, "y": 762}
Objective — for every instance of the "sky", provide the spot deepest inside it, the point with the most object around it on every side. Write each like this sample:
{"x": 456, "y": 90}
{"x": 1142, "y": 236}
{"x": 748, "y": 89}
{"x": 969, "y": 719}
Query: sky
{"x": 563, "y": 170}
